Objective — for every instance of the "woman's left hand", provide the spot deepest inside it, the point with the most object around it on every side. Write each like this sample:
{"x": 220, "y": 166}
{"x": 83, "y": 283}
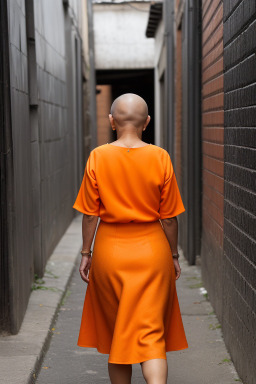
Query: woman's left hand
{"x": 177, "y": 268}
{"x": 85, "y": 267}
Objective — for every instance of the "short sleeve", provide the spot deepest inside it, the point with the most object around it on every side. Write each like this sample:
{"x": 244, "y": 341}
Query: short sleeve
{"x": 170, "y": 201}
{"x": 88, "y": 199}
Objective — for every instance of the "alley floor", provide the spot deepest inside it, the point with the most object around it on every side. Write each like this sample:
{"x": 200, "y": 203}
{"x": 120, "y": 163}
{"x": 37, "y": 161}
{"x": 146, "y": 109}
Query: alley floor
{"x": 206, "y": 361}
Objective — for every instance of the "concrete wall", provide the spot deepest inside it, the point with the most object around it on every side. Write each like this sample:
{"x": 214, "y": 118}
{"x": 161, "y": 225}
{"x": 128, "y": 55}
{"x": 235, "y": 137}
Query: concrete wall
{"x": 47, "y": 61}
{"x": 56, "y": 136}
{"x": 120, "y": 40}
{"x": 20, "y": 245}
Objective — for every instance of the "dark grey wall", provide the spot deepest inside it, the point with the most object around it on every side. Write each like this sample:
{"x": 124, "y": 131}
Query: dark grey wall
{"x": 56, "y": 130}
{"x": 48, "y": 92}
{"x": 190, "y": 221}
{"x": 20, "y": 261}
{"x": 239, "y": 262}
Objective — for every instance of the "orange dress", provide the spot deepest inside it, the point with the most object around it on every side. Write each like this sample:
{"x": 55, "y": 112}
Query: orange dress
{"x": 131, "y": 309}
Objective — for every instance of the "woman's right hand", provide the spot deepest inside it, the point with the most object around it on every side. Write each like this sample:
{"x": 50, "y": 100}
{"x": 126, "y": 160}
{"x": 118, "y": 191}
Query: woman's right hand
{"x": 177, "y": 267}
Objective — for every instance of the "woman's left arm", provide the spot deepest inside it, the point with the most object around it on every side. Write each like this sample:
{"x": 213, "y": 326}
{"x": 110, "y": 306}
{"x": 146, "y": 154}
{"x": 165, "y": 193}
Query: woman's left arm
{"x": 88, "y": 230}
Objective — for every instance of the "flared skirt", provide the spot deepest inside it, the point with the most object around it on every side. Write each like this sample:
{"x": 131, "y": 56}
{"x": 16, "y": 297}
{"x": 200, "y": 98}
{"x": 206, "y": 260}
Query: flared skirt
{"x": 131, "y": 309}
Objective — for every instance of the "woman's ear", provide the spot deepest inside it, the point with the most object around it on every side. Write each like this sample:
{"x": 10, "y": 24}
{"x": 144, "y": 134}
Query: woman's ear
{"x": 146, "y": 122}
{"x": 111, "y": 119}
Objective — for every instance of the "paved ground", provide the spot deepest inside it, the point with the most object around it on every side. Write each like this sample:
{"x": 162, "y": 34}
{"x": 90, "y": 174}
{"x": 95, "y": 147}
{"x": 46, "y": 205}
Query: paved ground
{"x": 21, "y": 354}
{"x": 206, "y": 361}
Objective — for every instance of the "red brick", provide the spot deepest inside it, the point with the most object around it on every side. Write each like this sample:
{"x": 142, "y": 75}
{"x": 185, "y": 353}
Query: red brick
{"x": 213, "y": 56}
{"x": 214, "y": 181}
{"x": 216, "y": 20}
{"x": 211, "y": 43}
{"x": 213, "y": 86}
{"x": 213, "y": 71}
{"x": 214, "y": 196}
{"x": 209, "y": 10}
{"x": 213, "y": 102}
{"x": 205, "y": 5}
{"x": 103, "y": 107}
{"x": 213, "y": 118}
{"x": 213, "y": 165}
{"x": 213, "y": 150}
{"x": 213, "y": 227}
{"x": 213, "y": 211}
{"x": 213, "y": 134}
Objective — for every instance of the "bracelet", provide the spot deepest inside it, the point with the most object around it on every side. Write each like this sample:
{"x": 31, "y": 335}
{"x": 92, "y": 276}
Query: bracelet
{"x": 86, "y": 253}
{"x": 175, "y": 255}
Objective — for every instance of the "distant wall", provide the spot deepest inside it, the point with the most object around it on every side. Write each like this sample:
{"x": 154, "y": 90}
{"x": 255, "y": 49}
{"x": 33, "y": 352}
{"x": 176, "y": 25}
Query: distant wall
{"x": 120, "y": 40}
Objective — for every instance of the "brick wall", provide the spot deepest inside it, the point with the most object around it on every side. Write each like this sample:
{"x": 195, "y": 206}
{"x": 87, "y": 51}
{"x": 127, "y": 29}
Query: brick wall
{"x": 239, "y": 301}
{"x": 212, "y": 150}
{"x": 104, "y": 101}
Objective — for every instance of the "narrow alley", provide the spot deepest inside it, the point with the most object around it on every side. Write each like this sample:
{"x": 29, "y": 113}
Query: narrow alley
{"x": 193, "y": 65}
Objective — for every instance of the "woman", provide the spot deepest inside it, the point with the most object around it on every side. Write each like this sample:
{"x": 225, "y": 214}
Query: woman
{"x": 131, "y": 309}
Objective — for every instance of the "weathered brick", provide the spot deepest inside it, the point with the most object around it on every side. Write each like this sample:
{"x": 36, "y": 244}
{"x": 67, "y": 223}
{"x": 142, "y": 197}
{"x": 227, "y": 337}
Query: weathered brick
{"x": 213, "y": 150}
{"x": 213, "y": 228}
{"x": 213, "y": 180}
{"x": 213, "y": 211}
{"x": 213, "y": 102}
{"x": 240, "y": 240}
{"x": 244, "y": 137}
{"x": 242, "y": 156}
{"x": 213, "y": 118}
{"x": 229, "y": 7}
{"x": 242, "y": 46}
{"x": 240, "y": 197}
{"x": 213, "y": 41}
{"x": 213, "y": 55}
{"x": 239, "y": 98}
{"x": 241, "y": 75}
{"x": 240, "y": 176}
{"x": 242, "y": 286}
{"x": 243, "y": 117}
{"x": 213, "y": 71}
{"x": 209, "y": 12}
{"x": 214, "y": 196}
{"x": 213, "y": 165}
{"x": 215, "y": 20}
{"x": 242, "y": 219}
{"x": 213, "y": 134}
{"x": 239, "y": 19}
{"x": 213, "y": 86}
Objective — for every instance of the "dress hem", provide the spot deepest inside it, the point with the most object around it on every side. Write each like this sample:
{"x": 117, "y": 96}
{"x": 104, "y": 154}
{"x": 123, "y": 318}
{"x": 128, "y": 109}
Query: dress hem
{"x": 133, "y": 362}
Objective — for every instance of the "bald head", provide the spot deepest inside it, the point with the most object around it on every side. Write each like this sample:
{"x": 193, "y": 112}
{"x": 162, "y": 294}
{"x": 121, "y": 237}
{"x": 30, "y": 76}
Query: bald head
{"x": 129, "y": 108}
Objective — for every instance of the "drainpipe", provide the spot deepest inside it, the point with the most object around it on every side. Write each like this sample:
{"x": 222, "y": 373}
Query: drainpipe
{"x": 169, "y": 83}
{"x": 92, "y": 77}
